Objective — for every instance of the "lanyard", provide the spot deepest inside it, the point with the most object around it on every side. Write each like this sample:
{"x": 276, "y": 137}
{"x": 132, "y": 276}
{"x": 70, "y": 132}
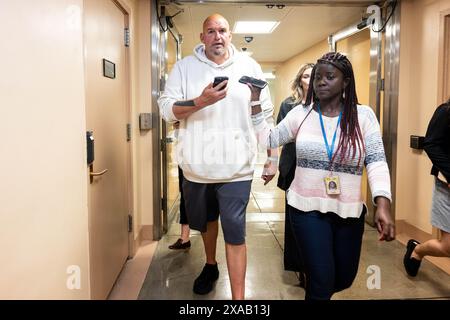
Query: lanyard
{"x": 329, "y": 150}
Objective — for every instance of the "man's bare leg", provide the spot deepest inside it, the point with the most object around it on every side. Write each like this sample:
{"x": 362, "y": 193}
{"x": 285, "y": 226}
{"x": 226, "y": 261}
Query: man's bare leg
{"x": 237, "y": 265}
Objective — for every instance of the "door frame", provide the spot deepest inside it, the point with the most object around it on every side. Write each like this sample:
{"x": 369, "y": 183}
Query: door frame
{"x": 130, "y": 191}
{"x": 161, "y": 216}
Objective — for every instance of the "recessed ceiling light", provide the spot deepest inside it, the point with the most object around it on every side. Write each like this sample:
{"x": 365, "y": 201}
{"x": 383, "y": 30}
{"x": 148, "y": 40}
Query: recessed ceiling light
{"x": 255, "y": 26}
{"x": 269, "y": 75}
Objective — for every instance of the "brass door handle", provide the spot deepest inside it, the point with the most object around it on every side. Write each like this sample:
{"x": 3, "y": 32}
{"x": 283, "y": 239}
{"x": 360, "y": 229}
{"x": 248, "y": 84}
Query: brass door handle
{"x": 95, "y": 174}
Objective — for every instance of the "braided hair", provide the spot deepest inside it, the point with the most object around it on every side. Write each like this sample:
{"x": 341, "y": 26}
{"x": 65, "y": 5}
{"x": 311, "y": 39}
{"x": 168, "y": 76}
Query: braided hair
{"x": 351, "y": 136}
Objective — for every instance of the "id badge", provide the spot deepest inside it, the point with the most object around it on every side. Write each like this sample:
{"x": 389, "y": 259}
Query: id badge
{"x": 332, "y": 185}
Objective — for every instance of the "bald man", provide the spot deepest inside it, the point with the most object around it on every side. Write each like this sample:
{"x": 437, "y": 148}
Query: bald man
{"x": 217, "y": 146}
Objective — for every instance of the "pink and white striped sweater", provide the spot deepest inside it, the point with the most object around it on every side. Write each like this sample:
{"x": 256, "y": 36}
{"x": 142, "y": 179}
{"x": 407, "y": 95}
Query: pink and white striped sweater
{"x": 307, "y": 191}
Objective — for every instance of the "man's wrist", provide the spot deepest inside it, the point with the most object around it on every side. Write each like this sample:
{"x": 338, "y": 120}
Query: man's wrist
{"x": 198, "y": 103}
{"x": 254, "y": 103}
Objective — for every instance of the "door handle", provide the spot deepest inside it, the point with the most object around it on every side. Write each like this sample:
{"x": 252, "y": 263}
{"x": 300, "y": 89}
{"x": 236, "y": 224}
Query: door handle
{"x": 93, "y": 174}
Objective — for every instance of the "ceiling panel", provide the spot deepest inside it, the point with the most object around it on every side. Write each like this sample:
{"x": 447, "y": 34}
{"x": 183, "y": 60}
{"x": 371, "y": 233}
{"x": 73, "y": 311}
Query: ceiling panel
{"x": 301, "y": 26}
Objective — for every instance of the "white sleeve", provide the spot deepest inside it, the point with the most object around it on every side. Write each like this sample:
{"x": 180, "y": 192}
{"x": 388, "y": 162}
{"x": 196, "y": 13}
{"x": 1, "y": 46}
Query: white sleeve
{"x": 173, "y": 92}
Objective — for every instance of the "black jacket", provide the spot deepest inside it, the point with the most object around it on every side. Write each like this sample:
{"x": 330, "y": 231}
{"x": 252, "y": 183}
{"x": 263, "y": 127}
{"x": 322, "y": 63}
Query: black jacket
{"x": 437, "y": 141}
{"x": 288, "y": 157}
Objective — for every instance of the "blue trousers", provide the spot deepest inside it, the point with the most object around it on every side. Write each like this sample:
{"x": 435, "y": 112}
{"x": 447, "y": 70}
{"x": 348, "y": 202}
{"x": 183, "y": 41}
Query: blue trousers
{"x": 331, "y": 247}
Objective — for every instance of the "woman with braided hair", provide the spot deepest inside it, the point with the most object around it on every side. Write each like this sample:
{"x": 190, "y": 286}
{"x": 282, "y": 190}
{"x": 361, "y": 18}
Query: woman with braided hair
{"x": 334, "y": 137}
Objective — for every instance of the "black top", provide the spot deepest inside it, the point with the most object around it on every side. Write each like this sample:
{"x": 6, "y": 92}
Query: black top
{"x": 288, "y": 157}
{"x": 437, "y": 141}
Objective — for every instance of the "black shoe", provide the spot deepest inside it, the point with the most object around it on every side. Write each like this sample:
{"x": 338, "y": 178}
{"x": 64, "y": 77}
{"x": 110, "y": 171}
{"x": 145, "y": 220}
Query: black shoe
{"x": 205, "y": 281}
{"x": 411, "y": 265}
{"x": 178, "y": 245}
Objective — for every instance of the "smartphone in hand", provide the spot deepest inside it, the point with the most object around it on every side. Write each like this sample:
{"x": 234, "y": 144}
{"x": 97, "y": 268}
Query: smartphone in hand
{"x": 218, "y": 80}
{"x": 253, "y": 81}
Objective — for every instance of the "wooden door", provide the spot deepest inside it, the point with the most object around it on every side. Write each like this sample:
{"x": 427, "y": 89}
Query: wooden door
{"x": 107, "y": 112}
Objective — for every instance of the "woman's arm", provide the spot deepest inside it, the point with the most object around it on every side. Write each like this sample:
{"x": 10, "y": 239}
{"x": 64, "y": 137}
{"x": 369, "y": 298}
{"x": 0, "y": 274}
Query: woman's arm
{"x": 383, "y": 220}
{"x": 435, "y": 138}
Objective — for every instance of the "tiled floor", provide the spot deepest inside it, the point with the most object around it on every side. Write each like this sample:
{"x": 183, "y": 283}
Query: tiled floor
{"x": 171, "y": 273}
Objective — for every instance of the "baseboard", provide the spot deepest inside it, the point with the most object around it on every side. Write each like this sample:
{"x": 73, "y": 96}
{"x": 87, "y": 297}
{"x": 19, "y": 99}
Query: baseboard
{"x": 406, "y": 231}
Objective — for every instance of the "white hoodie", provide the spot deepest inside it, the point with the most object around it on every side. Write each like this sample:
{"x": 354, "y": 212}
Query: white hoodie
{"x": 217, "y": 143}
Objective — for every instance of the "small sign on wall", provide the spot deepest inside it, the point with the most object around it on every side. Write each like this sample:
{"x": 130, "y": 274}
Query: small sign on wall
{"x": 109, "y": 69}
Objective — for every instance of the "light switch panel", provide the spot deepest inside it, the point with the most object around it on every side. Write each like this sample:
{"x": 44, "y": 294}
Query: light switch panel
{"x": 145, "y": 121}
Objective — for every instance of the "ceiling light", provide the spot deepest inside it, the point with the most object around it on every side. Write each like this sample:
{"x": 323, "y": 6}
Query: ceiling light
{"x": 269, "y": 75}
{"x": 249, "y": 27}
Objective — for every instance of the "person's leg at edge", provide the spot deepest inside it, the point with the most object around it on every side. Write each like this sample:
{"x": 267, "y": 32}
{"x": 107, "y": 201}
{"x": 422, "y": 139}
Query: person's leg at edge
{"x": 237, "y": 266}
{"x": 185, "y": 230}
{"x": 313, "y": 233}
{"x": 433, "y": 247}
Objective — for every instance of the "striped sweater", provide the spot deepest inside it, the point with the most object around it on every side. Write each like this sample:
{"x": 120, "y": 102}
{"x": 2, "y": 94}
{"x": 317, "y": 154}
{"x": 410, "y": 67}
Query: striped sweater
{"x": 307, "y": 191}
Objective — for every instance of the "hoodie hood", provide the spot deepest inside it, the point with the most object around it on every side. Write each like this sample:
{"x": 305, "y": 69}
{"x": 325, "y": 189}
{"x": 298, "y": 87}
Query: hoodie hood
{"x": 199, "y": 52}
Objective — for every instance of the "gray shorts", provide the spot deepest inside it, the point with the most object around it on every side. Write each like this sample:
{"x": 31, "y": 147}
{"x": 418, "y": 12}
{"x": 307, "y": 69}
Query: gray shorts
{"x": 440, "y": 209}
{"x": 204, "y": 202}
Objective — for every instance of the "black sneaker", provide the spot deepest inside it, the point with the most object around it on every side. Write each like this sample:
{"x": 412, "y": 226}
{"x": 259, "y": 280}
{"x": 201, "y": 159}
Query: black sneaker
{"x": 205, "y": 281}
{"x": 411, "y": 265}
{"x": 179, "y": 245}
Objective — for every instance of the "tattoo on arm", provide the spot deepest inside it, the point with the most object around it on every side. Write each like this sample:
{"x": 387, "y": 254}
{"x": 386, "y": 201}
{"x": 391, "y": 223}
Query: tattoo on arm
{"x": 187, "y": 103}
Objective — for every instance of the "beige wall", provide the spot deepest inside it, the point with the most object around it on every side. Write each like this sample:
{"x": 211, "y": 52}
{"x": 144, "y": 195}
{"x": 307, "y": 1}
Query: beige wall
{"x": 44, "y": 212}
{"x": 419, "y": 48}
{"x": 145, "y": 173}
{"x": 140, "y": 49}
{"x": 44, "y": 215}
{"x": 287, "y": 71}
{"x": 357, "y": 49}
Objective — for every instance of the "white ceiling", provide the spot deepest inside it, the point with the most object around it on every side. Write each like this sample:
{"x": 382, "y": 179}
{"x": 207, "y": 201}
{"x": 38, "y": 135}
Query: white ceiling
{"x": 302, "y": 23}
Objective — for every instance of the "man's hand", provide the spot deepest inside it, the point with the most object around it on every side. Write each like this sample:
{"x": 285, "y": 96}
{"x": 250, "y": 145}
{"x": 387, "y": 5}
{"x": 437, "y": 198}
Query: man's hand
{"x": 211, "y": 95}
{"x": 383, "y": 220}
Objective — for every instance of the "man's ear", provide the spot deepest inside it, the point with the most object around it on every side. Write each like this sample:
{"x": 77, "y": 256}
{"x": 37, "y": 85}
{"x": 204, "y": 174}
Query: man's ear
{"x": 201, "y": 38}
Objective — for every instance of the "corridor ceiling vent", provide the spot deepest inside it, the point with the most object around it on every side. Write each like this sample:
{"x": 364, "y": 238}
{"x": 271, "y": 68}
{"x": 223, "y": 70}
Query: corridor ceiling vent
{"x": 254, "y": 27}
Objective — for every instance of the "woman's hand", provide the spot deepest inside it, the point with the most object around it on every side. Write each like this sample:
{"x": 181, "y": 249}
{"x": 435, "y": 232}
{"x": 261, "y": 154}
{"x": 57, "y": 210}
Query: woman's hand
{"x": 255, "y": 92}
{"x": 383, "y": 220}
{"x": 269, "y": 171}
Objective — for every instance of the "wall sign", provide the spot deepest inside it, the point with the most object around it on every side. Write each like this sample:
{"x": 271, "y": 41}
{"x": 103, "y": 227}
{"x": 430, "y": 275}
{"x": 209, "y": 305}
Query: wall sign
{"x": 109, "y": 69}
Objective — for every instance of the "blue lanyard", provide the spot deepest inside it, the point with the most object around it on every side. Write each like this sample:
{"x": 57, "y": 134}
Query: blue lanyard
{"x": 329, "y": 150}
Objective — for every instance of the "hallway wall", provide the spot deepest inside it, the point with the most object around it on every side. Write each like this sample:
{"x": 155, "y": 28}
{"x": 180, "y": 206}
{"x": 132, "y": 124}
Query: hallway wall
{"x": 418, "y": 98}
{"x": 287, "y": 71}
{"x": 44, "y": 212}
